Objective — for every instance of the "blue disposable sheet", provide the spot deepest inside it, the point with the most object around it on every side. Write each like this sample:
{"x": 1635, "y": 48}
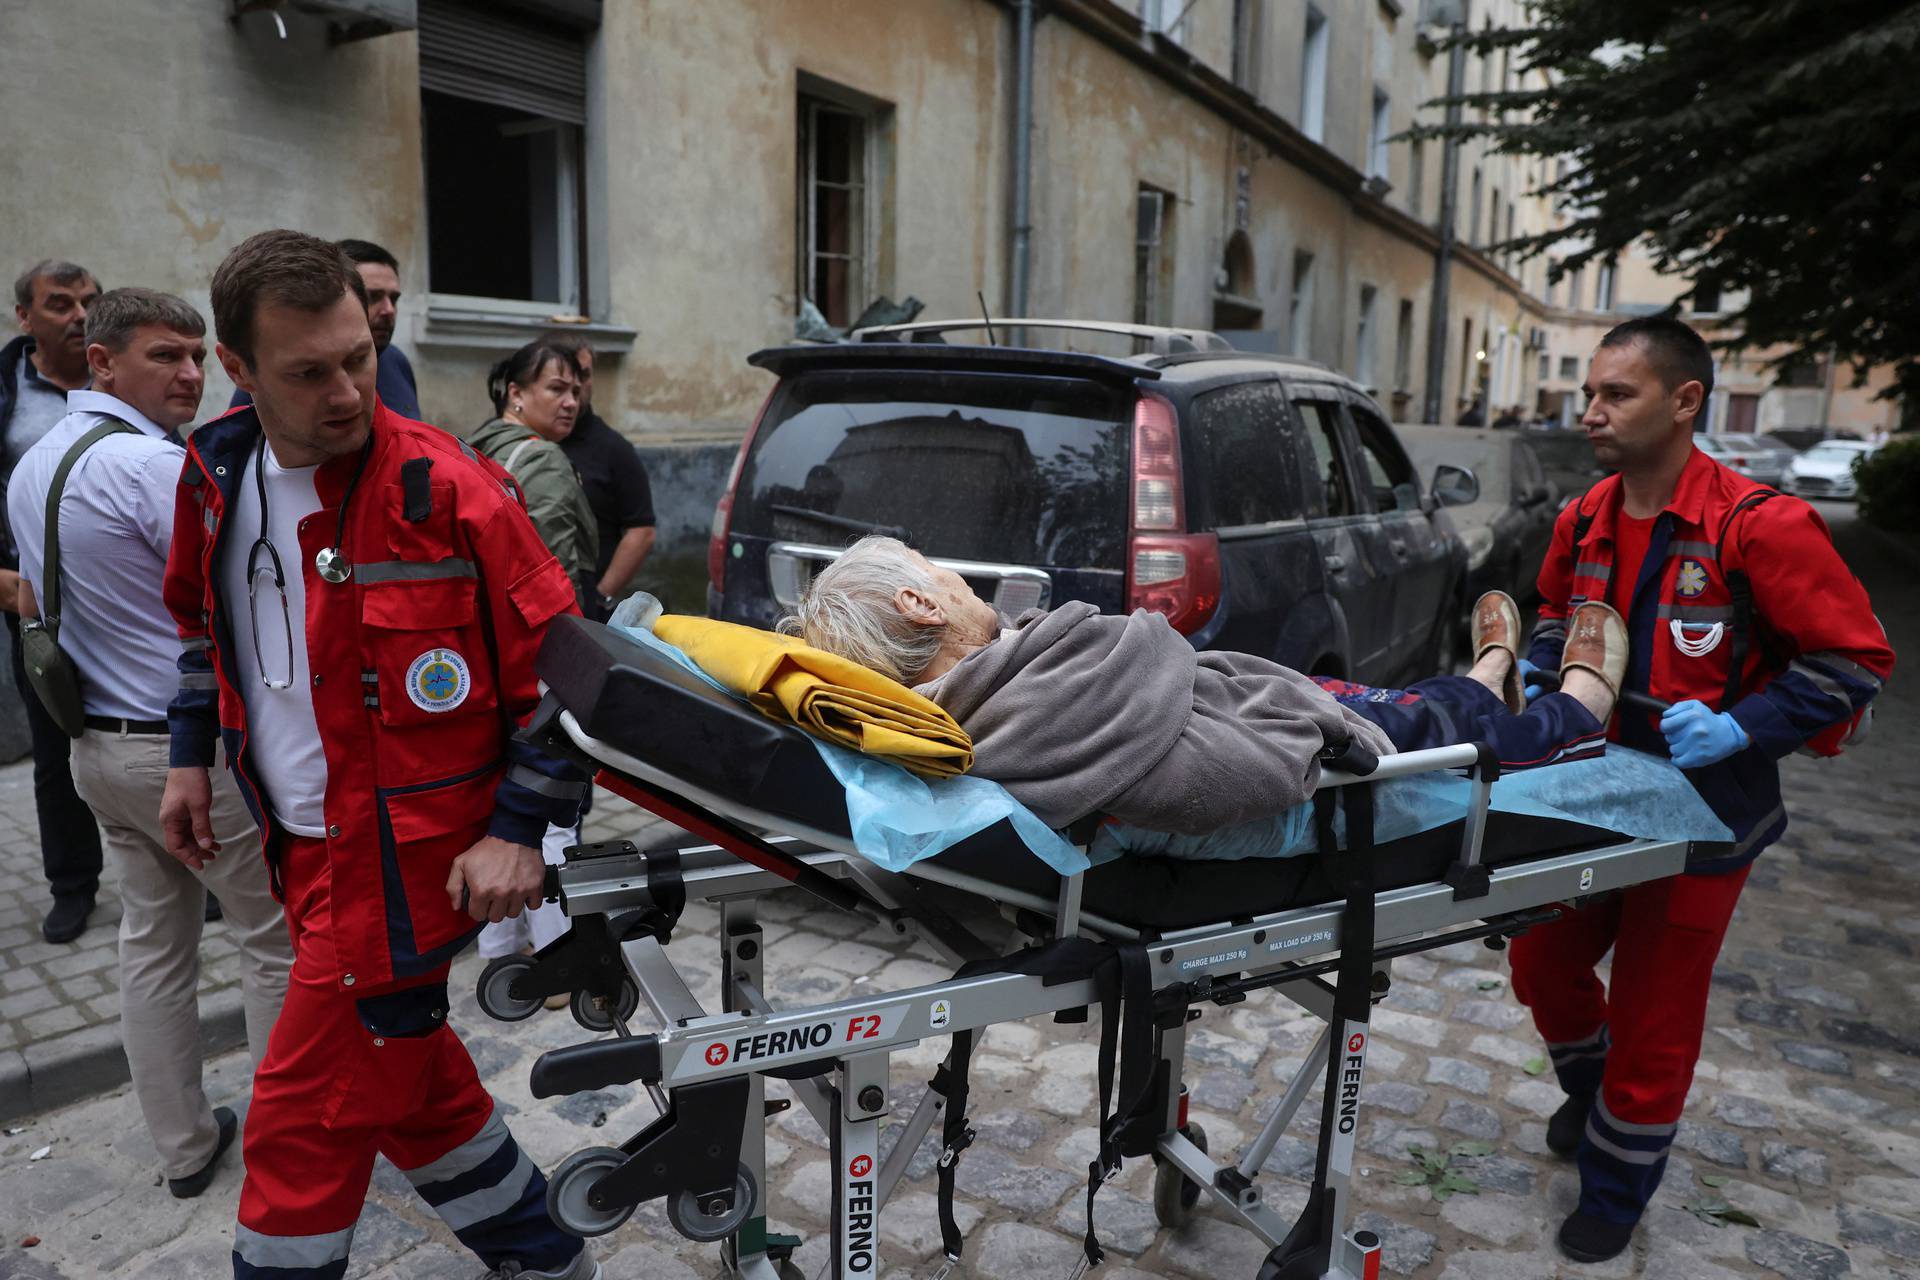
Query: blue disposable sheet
{"x": 1625, "y": 791}
{"x": 898, "y": 819}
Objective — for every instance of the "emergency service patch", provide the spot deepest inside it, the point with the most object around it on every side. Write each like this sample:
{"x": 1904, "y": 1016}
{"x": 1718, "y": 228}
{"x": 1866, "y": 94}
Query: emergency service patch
{"x": 1691, "y": 580}
{"x": 438, "y": 680}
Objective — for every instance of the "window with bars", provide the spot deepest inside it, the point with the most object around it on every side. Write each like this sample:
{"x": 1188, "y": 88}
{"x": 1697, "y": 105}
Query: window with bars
{"x": 1153, "y": 256}
{"x": 835, "y": 247}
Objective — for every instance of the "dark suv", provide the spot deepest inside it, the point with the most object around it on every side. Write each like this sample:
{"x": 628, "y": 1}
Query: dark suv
{"x": 1263, "y": 504}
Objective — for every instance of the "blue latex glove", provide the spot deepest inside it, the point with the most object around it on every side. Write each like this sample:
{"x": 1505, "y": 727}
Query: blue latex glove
{"x": 1526, "y": 680}
{"x": 1697, "y": 737}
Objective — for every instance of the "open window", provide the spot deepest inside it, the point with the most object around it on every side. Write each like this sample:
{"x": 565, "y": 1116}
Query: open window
{"x": 503, "y": 99}
{"x": 1389, "y": 477}
{"x": 843, "y": 140}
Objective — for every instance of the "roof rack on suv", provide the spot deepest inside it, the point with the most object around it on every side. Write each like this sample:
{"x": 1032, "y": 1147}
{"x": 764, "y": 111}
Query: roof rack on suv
{"x": 1158, "y": 340}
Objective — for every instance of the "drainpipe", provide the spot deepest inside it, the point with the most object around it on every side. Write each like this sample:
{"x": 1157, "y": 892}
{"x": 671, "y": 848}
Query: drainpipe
{"x": 1437, "y": 325}
{"x": 1022, "y": 153}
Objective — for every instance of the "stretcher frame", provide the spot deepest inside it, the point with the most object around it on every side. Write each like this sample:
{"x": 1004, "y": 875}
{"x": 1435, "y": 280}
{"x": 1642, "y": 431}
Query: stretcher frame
{"x": 707, "y": 1070}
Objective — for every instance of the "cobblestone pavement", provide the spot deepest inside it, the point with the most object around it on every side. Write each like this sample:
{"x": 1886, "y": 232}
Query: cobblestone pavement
{"x": 1805, "y": 1112}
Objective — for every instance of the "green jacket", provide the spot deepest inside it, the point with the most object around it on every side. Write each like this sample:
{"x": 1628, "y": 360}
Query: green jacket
{"x": 555, "y": 500}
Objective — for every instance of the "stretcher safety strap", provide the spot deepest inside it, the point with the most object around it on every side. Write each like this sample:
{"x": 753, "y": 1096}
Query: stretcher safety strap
{"x": 950, "y": 1082}
{"x": 1308, "y": 1249}
{"x": 1121, "y": 980}
{"x": 1130, "y": 990}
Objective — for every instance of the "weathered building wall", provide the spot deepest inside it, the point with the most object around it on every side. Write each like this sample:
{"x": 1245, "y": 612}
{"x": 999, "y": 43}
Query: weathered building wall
{"x": 148, "y": 137}
{"x": 702, "y": 111}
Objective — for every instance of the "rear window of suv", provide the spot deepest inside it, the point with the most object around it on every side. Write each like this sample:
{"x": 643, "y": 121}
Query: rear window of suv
{"x": 1013, "y": 470}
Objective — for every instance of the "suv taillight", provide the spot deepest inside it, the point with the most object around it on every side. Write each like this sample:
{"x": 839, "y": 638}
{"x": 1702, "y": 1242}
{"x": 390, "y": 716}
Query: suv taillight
{"x": 723, "y": 509}
{"x": 1168, "y": 571}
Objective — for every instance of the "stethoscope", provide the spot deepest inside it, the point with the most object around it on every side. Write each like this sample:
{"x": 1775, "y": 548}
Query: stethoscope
{"x": 328, "y": 562}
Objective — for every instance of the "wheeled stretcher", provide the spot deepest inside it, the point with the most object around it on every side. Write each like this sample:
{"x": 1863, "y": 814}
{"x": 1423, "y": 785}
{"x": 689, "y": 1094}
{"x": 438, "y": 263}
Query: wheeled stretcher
{"x": 1147, "y": 942}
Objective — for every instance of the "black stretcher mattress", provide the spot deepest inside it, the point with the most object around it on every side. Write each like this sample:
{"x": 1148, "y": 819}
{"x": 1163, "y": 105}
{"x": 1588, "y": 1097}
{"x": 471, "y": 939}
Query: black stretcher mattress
{"x": 656, "y": 711}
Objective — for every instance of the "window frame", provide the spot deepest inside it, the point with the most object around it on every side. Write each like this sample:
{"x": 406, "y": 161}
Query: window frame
{"x": 1366, "y": 336}
{"x": 1301, "y": 395}
{"x": 1417, "y": 178}
{"x": 1248, "y": 23}
{"x": 1300, "y": 305}
{"x": 1403, "y": 342}
{"x": 1379, "y": 129}
{"x": 859, "y": 257}
{"x": 1314, "y": 56}
{"x": 1153, "y": 257}
{"x": 1360, "y": 412}
{"x": 455, "y": 320}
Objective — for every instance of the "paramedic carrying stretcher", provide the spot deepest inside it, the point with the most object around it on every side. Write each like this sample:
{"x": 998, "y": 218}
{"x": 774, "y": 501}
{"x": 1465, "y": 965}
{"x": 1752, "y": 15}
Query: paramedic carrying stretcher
{"x": 1743, "y": 616}
{"x": 360, "y": 598}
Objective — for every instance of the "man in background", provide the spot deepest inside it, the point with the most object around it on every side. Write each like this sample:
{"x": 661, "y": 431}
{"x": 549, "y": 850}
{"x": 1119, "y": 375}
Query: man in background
{"x": 393, "y": 380}
{"x": 616, "y": 483}
{"x": 145, "y": 351}
{"x": 37, "y": 369}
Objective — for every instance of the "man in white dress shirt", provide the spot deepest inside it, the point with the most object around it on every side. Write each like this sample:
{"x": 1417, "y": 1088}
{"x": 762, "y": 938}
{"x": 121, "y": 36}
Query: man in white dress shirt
{"x": 145, "y": 350}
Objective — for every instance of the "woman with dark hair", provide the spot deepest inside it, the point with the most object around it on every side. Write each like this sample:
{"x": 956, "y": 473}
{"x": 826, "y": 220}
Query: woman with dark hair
{"x": 536, "y": 400}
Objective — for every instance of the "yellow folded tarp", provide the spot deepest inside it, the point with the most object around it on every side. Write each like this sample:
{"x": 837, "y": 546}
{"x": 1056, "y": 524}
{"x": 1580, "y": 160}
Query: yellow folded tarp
{"x": 839, "y": 700}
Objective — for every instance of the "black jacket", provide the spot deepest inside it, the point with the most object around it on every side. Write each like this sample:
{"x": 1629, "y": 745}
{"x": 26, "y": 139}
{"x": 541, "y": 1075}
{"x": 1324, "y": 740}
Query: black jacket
{"x": 10, "y": 357}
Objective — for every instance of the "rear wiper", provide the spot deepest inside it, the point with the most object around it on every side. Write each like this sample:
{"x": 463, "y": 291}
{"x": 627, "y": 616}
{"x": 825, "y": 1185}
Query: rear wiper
{"x": 844, "y": 522}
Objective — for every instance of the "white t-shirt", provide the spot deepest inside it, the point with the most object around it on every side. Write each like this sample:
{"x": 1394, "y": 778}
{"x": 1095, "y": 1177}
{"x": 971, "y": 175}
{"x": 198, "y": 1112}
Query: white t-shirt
{"x": 283, "y": 738}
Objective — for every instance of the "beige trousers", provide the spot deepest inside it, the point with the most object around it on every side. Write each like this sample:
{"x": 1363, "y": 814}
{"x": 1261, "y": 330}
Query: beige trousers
{"x": 122, "y": 777}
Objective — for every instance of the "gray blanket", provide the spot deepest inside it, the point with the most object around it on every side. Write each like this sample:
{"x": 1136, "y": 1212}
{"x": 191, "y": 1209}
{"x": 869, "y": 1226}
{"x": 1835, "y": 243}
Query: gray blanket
{"x": 1078, "y": 712}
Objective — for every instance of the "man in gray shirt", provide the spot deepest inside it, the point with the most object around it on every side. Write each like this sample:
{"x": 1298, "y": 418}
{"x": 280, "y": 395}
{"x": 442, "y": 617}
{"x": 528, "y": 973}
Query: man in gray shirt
{"x": 37, "y": 369}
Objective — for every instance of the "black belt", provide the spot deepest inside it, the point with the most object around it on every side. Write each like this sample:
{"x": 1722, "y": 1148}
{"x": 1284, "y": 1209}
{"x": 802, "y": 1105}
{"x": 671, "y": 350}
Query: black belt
{"x": 113, "y": 724}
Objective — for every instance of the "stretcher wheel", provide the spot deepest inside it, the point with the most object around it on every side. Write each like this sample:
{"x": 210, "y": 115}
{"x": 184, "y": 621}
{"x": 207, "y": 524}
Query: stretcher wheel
{"x": 591, "y": 1014}
{"x": 495, "y": 994}
{"x": 567, "y": 1189}
{"x": 1174, "y": 1194}
{"x": 692, "y": 1221}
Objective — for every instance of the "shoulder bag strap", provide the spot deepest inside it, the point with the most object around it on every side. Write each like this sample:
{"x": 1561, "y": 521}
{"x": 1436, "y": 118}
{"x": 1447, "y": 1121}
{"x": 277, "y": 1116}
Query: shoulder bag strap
{"x": 50, "y": 560}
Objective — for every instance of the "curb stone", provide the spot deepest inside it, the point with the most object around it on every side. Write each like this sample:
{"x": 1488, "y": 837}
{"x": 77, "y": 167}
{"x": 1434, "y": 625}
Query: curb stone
{"x": 92, "y": 1061}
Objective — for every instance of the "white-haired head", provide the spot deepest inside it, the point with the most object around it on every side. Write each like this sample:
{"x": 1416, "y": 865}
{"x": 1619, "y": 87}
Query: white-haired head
{"x": 850, "y": 609}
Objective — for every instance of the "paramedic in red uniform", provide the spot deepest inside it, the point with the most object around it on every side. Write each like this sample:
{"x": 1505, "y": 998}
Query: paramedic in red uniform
{"x": 360, "y": 599}
{"x": 1740, "y": 613}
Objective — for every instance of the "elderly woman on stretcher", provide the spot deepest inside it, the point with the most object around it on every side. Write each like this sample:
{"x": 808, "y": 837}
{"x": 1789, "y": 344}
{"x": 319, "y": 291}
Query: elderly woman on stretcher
{"x": 1077, "y": 712}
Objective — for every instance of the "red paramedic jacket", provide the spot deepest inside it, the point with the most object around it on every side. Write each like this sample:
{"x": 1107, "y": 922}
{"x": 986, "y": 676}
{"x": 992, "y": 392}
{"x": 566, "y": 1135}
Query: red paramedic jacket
{"x": 408, "y": 788}
{"x": 1816, "y": 655}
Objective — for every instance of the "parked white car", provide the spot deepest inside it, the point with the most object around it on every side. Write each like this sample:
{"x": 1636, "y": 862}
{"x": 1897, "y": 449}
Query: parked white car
{"x": 1826, "y": 470}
